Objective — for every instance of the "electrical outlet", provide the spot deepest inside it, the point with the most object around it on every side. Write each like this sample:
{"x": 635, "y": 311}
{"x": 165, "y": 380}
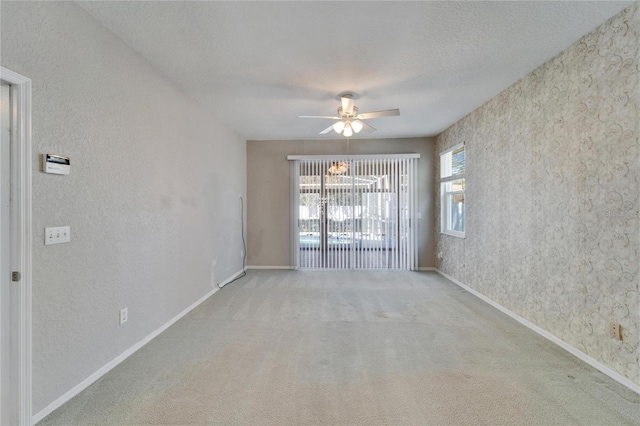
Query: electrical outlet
{"x": 615, "y": 330}
{"x": 240, "y": 194}
{"x": 440, "y": 255}
{"x": 241, "y": 253}
{"x": 124, "y": 315}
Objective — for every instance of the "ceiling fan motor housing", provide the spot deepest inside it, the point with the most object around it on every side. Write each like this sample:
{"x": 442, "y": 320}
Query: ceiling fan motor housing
{"x": 342, "y": 114}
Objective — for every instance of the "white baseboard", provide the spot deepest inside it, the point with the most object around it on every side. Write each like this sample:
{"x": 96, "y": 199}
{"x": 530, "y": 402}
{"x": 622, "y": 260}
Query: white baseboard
{"x": 227, "y": 281}
{"x": 426, "y": 268}
{"x": 268, "y": 267}
{"x": 231, "y": 278}
{"x": 117, "y": 360}
{"x": 544, "y": 333}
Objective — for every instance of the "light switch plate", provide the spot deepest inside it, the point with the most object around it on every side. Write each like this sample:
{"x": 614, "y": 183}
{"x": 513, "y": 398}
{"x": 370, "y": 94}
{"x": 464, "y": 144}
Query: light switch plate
{"x": 57, "y": 235}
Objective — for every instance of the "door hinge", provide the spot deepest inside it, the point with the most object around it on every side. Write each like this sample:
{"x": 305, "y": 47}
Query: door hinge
{"x": 15, "y": 276}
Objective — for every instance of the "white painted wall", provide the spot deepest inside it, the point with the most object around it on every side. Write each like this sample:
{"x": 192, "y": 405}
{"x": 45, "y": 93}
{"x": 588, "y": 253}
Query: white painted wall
{"x": 152, "y": 198}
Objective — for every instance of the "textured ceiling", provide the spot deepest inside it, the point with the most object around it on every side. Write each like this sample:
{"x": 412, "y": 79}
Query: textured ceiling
{"x": 258, "y": 65}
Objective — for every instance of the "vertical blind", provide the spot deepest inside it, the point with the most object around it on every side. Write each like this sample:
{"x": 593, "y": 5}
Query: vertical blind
{"x": 354, "y": 212}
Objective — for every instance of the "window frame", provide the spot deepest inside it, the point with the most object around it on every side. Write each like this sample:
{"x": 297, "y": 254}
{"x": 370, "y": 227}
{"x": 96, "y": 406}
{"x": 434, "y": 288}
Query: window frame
{"x": 444, "y": 205}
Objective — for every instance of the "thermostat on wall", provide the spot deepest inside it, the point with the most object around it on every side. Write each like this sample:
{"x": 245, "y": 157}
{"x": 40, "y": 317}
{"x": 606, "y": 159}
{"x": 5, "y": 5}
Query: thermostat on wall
{"x": 56, "y": 164}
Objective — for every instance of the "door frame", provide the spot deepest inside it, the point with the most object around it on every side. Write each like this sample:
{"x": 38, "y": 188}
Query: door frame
{"x": 21, "y": 204}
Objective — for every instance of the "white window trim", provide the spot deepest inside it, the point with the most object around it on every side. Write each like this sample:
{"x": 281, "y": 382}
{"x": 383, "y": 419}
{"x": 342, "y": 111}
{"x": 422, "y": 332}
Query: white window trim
{"x": 444, "y": 213}
{"x": 453, "y": 148}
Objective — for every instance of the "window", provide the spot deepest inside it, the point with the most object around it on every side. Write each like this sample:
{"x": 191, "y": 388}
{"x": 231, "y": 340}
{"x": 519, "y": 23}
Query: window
{"x": 452, "y": 184}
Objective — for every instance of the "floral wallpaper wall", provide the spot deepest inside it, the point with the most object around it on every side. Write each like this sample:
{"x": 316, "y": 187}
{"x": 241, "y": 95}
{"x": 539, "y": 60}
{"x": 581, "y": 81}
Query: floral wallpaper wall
{"x": 553, "y": 195}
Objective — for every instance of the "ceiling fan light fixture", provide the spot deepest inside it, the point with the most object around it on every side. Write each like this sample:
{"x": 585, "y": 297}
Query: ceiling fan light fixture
{"x": 349, "y": 121}
{"x": 338, "y": 168}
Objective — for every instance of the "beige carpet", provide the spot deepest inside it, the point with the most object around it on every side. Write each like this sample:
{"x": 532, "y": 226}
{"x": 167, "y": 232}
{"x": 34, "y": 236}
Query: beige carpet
{"x": 401, "y": 348}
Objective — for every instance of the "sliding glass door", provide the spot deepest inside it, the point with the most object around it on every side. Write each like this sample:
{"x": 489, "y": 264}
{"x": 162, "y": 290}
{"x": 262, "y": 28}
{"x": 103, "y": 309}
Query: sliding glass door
{"x": 354, "y": 212}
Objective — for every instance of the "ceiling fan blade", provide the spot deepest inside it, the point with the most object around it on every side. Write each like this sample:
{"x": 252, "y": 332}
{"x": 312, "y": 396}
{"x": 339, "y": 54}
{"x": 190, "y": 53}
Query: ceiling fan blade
{"x": 347, "y": 104}
{"x": 327, "y": 130}
{"x": 376, "y": 114}
{"x": 367, "y": 127}
{"x": 320, "y": 116}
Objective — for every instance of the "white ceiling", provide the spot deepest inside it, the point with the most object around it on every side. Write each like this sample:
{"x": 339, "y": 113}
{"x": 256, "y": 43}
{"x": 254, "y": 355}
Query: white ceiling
{"x": 258, "y": 65}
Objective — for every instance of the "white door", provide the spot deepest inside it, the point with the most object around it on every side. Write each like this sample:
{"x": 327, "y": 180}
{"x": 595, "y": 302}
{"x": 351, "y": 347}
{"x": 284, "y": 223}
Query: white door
{"x": 8, "y": 403}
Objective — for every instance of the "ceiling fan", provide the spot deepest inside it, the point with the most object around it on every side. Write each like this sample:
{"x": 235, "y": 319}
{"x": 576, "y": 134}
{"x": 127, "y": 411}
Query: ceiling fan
{"x": 350, "y": 120}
